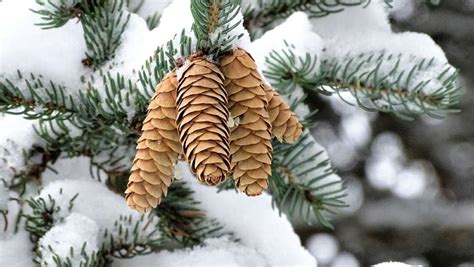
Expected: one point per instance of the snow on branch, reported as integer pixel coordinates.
(252, 221)
(263, 14)
(398, 84)
(150, 10)
(72, 243)
(303, 178)
(22, 158)
(403, 73)
(217, 24)
(103, 23)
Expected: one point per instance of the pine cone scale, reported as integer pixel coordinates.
(158, 149)
(202, 118)
(247, 105)
(286, 126)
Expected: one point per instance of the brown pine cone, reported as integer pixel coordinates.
(286, 126)
(202, 120)
(250, 146)
(158, 149)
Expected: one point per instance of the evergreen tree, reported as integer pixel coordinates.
(77, 103)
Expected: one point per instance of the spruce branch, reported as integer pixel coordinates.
(56, 15)
(286, 69)
(213, 22)
(103, 26)
(36, 161)
(38, 99)
(376, 80)
(304, 181)
(153, 21)
(96, 119)
(400, 90)
(132, 237)
(103, 22)
(180, 219)
(41, 218)
(93, 259)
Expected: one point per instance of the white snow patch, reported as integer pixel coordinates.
(213, 252)
(16, 135)
(356, 21)
(50, 4)
(294, 33)
(77, 230)
(55, 53)
(96, 202)
(147, 8)
(16, 251)
(136, 47)
(76, 168)
(342, 33)
(4, 197)
(12, 209)
(253, 221)
(392, 264)
(103, 211)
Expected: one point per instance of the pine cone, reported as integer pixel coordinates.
(286, 126)
(250, 146)
(202, 120)
(158, 149)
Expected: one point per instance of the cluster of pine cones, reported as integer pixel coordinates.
(221, 117)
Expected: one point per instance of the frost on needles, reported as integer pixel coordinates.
(76, 77)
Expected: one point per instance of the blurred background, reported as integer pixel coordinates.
(410, 183)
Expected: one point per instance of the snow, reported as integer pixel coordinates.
(392, 264)
(264, 237)
(419, 262)
(19, 136)
(94, 200)
(76, 168)
(50, 4)
(11, 211)
(16, 251)
(342, 36)
(77, 235)
(312, 148)
(147, 8)
(301, 41)
(172, 24)
(213, 252)
(353, 21)
(24, 45)
(253, 221)
(4, 197)
(107, 209)
(136, 47)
